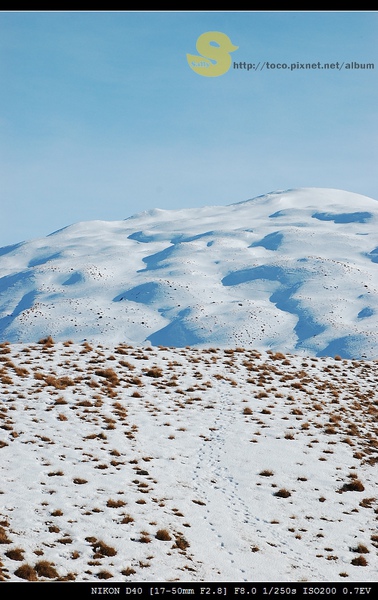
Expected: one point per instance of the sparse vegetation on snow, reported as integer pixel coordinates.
(130, 463)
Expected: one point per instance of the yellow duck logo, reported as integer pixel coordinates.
(212, 46)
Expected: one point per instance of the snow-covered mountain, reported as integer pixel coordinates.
(292, 271)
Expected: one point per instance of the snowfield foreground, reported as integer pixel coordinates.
(125, 463)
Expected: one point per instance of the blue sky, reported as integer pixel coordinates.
(101, 116)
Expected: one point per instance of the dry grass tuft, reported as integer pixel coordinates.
(282, 493)
(109, 374)
(361, 549)
(47, 341)
(115, 503)
(4, 539)
(163, 535)
(26, 572)
(154, 372)
(128, 571)
(181, 543)
(102, 549)
(65, 541)
(359, 561)
(353, 486)
(127, 519)
(144, 539)
(46, 569)
(104, 575)
(15, 554)
(55, 474)
(367, 502)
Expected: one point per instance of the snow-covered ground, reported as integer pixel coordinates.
(292, 271)
(125, 463)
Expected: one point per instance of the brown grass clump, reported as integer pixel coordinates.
(361, 549)
(163, 535)
(181, 543)
(127, 519)
(115, 503)
(266, 473)
(55, 474)
(20, 371)
(60, 401)
(353, 486)
(330, 430)
(154, 372)
(128, 571)
(126, 364)
(104, 575)
(68, 577)
(47, 341)
(282, 493)
(367, 502)
(65, 540)
(59, 383)
(359, 561)
(53, 529)
(102, 549)
(26, 572)
(144, 539)
(4, 539)
(15, 554)
(247, 411)
(46, 569)
(109, 374)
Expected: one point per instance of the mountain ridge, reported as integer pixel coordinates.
(290, 270)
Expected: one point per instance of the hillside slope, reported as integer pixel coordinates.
(293, 271)
(126, 463)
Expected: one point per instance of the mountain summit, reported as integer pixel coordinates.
(292, 271)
